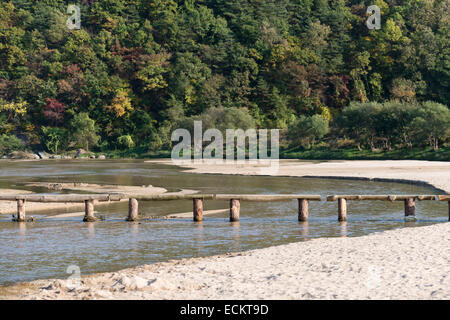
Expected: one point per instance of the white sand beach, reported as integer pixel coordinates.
(407, 263)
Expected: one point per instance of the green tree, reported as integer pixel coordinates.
(357, 121)
(432, 124)
(84, 131)
(125, 142)
(55, 139)
(307, 130)
(10, 143)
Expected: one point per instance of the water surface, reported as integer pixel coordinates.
(46, 248)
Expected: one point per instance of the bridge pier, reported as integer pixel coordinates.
(89, 211)
(198, 209)
(410, 207)
(133, 209)
(303, 209)
(235, 209)
(21, 216)
(342, 209)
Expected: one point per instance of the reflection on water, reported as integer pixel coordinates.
(45, 248)
(236, 235)
(304, 229)
(343, 231)
(91, 229)
(22, 230)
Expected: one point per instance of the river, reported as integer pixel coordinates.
(47, 248)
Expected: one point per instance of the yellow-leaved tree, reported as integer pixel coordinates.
(121, 103)
(13, 109)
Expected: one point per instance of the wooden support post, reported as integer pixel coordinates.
(235, 209)
(303, 213)
(133, 209)
(342, 209)
(89, 211)
(410, 207)
(198, 209)
(21, 217)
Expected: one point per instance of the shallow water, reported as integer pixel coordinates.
(46, 248)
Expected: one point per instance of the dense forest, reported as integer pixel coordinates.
(138, 69)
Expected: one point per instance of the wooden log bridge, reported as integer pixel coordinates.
(198, 199)
(235, 202)
(408, 200)
(88, 200)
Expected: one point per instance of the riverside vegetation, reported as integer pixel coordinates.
(137, 70)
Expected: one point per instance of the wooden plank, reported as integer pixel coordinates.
(381, 197)
(267, 197)
(444, 197)
(62, 198)
(164, 197)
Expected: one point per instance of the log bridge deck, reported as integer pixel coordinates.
(234, 200)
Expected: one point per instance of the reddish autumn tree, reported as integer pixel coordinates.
(70, 88)
(54, 111)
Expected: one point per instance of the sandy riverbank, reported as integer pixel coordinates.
(409, 263)
(431, 173)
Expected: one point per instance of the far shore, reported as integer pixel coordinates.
(435, 174)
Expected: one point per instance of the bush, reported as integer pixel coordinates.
(431, 125)
(125, 142)
(84, 131)
(357, 121)
(395, 123)
(10, 143)
(307, 130)
(55, 139)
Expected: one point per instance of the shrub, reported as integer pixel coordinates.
(10, 143)
(307, 130)
(55, 139)
(84, 130)
(125, 142)
(432, 124)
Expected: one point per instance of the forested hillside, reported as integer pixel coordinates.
(139, 68)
